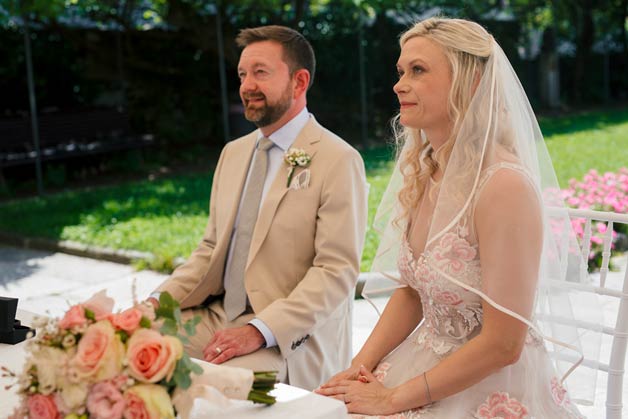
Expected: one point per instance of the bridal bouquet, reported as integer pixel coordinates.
(96, 364)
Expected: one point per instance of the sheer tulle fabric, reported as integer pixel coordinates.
(500, 132)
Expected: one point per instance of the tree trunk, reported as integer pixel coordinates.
(622, 25)
(299, 11)
(585, 31)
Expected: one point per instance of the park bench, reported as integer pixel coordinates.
(67, 135)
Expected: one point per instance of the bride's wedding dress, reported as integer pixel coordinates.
(530, 388)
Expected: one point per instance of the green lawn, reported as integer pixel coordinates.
(166, 217)
(593, 140)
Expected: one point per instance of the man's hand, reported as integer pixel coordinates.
(229, 343)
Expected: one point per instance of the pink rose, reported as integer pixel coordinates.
(147, 310)
(100, 304)
(152, 357)
(99, 353)
(42, 407)
(135, 407)
(74, 317)
(128, 320)
(148, 401)
(105, 401)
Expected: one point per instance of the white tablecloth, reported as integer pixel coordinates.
(292, 402)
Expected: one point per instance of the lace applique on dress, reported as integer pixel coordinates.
(452, 314)
(500, 405)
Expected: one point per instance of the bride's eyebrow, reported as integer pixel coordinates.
(418, 61)
(415, 61)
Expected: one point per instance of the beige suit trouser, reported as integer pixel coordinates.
(214, 318)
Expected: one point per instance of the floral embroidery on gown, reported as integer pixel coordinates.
(452, 316)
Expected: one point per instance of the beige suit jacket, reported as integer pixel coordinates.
(305, 251)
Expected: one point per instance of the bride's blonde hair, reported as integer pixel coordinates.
(467, 46)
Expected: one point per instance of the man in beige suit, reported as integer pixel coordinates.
(274, 275)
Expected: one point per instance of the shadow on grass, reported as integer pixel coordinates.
(582, 121)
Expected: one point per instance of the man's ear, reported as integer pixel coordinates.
(301, 80)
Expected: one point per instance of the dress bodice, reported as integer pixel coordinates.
(452, 314)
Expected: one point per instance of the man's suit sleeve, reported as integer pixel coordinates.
(187, 276)
(338, 242)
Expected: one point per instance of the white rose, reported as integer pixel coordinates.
(49, 362)
(74, 396)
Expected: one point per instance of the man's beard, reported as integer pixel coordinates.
(268, 114)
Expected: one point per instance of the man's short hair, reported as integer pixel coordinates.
(297, 51)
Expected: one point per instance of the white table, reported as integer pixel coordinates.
(292, 402)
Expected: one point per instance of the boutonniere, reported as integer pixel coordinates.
(295, 157)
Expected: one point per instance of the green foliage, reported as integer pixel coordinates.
(55, 175)
(169, 313)
(90, 315)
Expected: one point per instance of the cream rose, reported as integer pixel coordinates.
(151, 356)
(49, 363)
(72, 397)
(148, 401)
(99, 353)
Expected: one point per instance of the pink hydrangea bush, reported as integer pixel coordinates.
(600, 192)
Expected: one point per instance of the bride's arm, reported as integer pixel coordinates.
(509, 228)
(400, 317)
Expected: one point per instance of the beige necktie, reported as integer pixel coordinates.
(235, 293)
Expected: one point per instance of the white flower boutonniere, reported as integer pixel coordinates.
(295, 157)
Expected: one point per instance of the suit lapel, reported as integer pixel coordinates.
(307, 140)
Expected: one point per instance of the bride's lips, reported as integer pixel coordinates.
(406, 105)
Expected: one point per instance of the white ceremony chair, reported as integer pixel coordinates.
(618, 291)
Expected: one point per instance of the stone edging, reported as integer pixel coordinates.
(74, 248)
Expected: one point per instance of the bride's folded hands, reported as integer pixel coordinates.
(362, 393)
(350, 373)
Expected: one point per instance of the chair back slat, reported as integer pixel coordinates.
(586, 240)
(606, 252)
(619, 331)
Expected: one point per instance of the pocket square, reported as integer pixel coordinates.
(301, 180)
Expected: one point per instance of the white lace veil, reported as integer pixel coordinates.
(499, 125)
